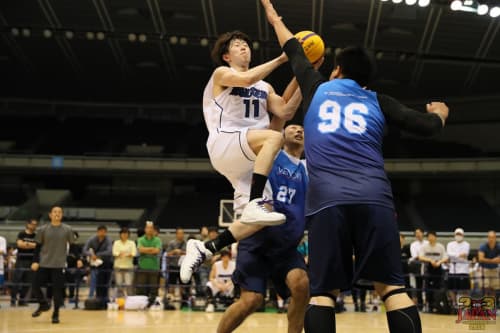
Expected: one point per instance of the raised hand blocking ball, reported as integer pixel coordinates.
(313, 45)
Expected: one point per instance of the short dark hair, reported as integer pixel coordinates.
(431, 232)
(102, 227)
(54, 206)
(356, 64)
(213, 229)
(221, 46)
(419, 229)
(225, 253)
(29, 221)
(125, 230)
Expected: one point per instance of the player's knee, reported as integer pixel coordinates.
(252, 301)
(299, 285)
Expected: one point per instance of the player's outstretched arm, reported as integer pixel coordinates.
(226, 77)
(420, 123)
(307, 75)
(276, 21)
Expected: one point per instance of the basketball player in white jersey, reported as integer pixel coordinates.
(236, 102)
(221, 282)
(242, 139)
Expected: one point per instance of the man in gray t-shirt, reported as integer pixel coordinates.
(49, 261)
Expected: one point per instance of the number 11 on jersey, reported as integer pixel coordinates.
(255, 104)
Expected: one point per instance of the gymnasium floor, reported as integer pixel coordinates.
(75, 321)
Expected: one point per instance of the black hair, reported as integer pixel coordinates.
(221, 46)
(421, 229)
(225, 253)
(212, 229)
(102, 227)
(431, 232)
(124, 230)
(54, 206)
(357, 64)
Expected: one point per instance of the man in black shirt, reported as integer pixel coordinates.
(405, 257)
(22, 275)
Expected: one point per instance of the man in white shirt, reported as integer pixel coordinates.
(434, 256)
(415, 266)
(458, 253)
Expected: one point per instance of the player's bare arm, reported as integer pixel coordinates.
(277, 123)
(226, 77)
(282, 108)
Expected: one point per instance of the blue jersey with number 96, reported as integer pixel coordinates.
(344, 129)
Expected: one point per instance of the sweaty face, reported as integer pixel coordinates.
(294, 134)
(238, 53)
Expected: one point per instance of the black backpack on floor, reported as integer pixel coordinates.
(94, 304)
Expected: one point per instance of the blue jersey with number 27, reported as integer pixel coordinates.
(288, 184)
(343, 129)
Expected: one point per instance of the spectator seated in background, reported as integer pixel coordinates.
(220, 287)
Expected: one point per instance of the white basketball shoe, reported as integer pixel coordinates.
(256, 212)
(196, 254)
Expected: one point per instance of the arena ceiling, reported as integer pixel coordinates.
(157, 51)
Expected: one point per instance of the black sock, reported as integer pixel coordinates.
(224, 239)
(319, 319)
(258, 184)
(404, 320)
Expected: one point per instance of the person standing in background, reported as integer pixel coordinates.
(458, 252)
(175, 249)
(124, 251)
(415, 266)
(434, 256)
(99, 249)
(489, 259)
(49, 261)
(3, 253)
(23, 275)
(149, 247)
